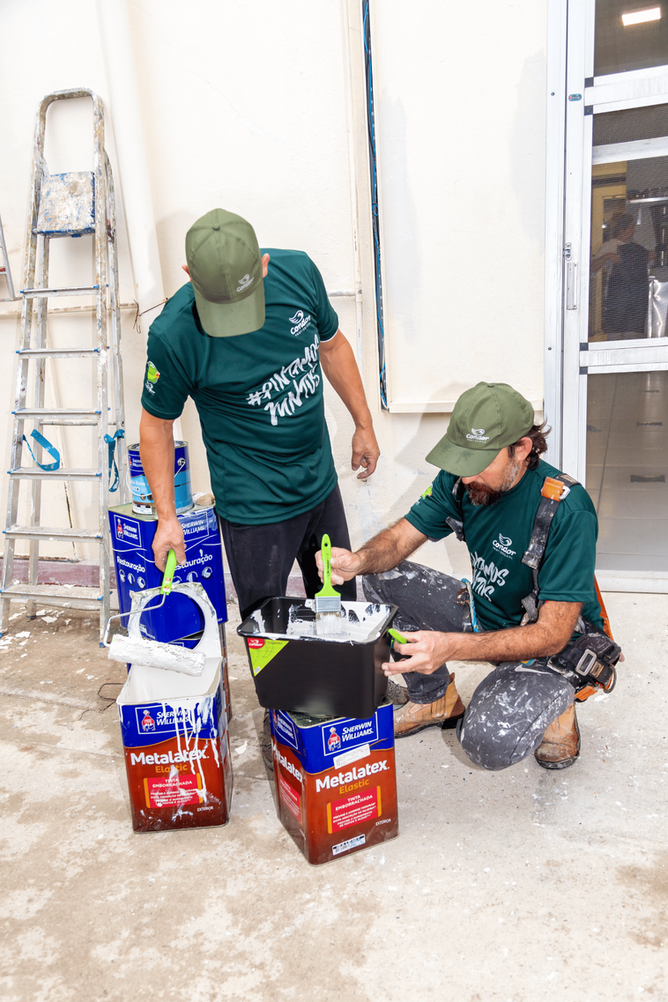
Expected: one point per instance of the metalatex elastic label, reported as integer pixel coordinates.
(262, 651)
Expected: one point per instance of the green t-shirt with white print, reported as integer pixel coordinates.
(498, 535)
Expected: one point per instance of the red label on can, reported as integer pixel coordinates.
(173, 792)
(255, 642)
(353, 810)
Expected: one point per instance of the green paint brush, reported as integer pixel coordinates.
(327, 600)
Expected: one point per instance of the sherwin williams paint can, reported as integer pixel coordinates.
(142, 499)
(335, 781)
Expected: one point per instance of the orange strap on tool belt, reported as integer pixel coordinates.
(554, 490)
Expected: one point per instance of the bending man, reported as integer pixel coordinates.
(248, 338)
(489, 493)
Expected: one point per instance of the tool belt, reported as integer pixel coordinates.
(588, 662)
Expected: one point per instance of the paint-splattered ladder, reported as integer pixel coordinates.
(62, 205)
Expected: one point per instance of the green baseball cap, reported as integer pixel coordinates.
(485, 419)
(225, 268)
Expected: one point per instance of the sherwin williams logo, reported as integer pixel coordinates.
(244, 283)
(503, 544)
(147, 723)
(300, 322)
(478, 435)
(333, 741)
(152, 373)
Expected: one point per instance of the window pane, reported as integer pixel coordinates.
(618, 48)
(631, 124)
(627, 468)
(628, 289)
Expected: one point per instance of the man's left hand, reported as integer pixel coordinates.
(426, 651)
(365, 452)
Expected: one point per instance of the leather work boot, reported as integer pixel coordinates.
(561, 742)
(414, 717)
(397, 694)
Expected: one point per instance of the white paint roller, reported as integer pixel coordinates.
(151, 653)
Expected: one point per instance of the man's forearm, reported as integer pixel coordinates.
(157, 456)
(515, 644)
(550, 634)
(340, 367)
(389, 548)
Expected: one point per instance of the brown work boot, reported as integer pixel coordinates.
(561, 742)
(414, 717)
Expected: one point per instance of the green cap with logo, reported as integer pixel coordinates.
(485, 419)
(225, 268)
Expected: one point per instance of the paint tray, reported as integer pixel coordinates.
(321, 676)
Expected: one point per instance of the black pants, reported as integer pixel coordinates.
(260, 557)
(511, 708)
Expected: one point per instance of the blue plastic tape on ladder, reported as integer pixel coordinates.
(111, 442)
(51, 449)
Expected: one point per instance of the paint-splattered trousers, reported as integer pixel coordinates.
(513, 705)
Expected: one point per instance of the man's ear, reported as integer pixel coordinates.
(523, 448)
(265, 265)
(186, 269)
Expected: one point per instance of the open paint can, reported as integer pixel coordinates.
(142, 499)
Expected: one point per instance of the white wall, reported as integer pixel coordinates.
(244, 106)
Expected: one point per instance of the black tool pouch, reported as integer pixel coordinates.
(589, 660)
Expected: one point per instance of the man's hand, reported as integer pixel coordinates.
(425, 651)
(344, 565)
(168, 536)
(381, 553)
(365, 452)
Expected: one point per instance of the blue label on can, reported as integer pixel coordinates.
(142, 498)
(317, 745)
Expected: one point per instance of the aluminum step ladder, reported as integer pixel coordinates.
(5, 270)
(66, 205)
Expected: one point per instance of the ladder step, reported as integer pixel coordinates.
(67, 204)
(74, 597)
(80, 290)
(47, 532)
(44, 412)
(34, 473)
(57, 352)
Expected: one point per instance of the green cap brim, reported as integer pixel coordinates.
(232, 319)
(459, 461)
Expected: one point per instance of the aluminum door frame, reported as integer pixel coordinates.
(586, 96)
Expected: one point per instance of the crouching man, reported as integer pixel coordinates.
(531, 607)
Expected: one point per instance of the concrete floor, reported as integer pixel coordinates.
(506, 887)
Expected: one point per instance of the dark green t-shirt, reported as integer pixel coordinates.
(498, 535)
(259, 396)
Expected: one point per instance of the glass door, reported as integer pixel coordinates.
(615, 389)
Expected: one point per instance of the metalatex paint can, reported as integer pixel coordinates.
(142, 499)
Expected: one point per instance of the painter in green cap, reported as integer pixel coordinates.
(530, 606)
(248, 338)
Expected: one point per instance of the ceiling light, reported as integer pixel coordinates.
(640, 16)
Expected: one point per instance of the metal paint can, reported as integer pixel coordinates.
(142, 499)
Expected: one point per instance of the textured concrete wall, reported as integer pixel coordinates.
(245, 106)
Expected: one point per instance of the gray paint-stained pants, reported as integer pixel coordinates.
(511, 708)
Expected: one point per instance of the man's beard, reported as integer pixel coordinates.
(481, 494)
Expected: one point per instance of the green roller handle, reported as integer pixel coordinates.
(168, 576)
(397, 636)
